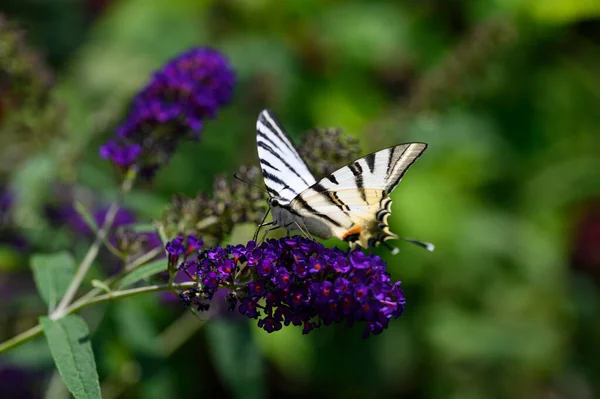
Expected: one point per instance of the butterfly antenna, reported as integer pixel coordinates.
(393, 250)
(235, 175)
(427, 245)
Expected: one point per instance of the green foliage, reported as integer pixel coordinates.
(143, 272)
(69, 341)
(237, 358)
(52, 274)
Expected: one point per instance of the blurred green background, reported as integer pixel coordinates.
(505, 92)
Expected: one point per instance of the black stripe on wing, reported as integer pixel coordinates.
(268, 119)
(401, 163)
(331, 197)
(370, 159)
(279, 160)
(302, 202)
(269, 177)
(264, 162)
(268, 148)
(357, 171)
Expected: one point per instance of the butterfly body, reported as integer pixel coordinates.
(352, 203)
(287, 216)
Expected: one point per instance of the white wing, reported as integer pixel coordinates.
(381, 170)
(354, 200)
(285, 173)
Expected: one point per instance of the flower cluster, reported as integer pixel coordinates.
(326, 150)
(24, 77)
(181, 95)
(30, 118)
(182, 246)
(294, 280)
(214, 216)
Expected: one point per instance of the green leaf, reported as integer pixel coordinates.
(143, 272)
(69, 341)
(143, 227)
(52, 274)
(237, 358)
(100, 285)
(135, 325)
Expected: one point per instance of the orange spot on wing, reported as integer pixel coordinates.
(356, 229)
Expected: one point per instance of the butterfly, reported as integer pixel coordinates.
(352, 203)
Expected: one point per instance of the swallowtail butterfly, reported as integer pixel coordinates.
(352, 203)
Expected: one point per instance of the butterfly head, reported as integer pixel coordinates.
(273, 202)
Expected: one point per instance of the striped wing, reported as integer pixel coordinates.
(285, 173)
(354, 201)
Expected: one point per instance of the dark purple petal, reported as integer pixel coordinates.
(175, 247)
(269, 324)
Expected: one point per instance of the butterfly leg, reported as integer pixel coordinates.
(262, 223)
(270, 229)
(304, 231)
(258, 228)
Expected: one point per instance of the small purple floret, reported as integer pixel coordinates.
(182, 246)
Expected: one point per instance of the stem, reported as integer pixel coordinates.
(21, 338)
(112, 248)
(89, 258)
(148, 256)
(129, 267)
(81, 304)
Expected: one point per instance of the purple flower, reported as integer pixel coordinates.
(359, 260)
(248, 307)
(122, 156)
(256, 289)
(194, 242)
(269, 324)
(298, 281)
(175, 247)
(226, 268)
(284, 277)
(182, 246)
(182, 94)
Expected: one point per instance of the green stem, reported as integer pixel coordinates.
(21, 338)
(80, 304)
(89, 258)
(129, 267)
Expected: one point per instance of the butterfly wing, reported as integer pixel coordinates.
(285, 173)
(353, 202)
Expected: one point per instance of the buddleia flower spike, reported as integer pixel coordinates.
(173, 106)
(294, 280)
